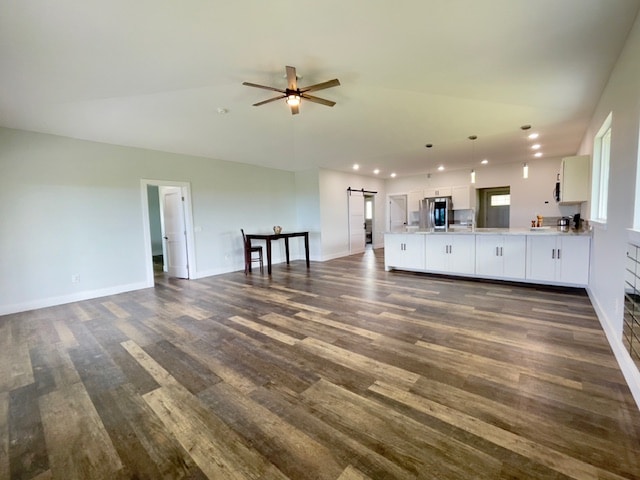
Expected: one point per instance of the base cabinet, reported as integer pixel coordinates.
(404, 251)
(450, 253)
(501, 256)
(558, 259)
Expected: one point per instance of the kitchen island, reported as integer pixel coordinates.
(543, 255)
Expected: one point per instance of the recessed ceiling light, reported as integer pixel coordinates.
(525, 127)
(376, 171)
(441, 168)
(537, 154)
(393, 175)
(535, 146)
(484, 162)
(356, 166)
(533, 136)
(222, 110)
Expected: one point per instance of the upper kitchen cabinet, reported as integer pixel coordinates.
(463, 197)
(574, 180)
(437, 192)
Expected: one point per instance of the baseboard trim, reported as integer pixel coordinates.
(74, 297)
(629, 370)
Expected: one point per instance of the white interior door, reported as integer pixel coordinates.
(175, 238)
(357, 234)
(397, 213)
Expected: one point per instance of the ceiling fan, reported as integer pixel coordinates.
(293, 94)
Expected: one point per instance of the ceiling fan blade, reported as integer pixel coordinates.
(313, 99)
(295, 109)
(249, 84)
(320, 86)
(292, 79)
(279, 97)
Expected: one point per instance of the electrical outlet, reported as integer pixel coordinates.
(75, 278)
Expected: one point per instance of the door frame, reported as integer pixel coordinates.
(390, 199)
(355, 249)
(146, 229)
(484, 195)
(370, 198)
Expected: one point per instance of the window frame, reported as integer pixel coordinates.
(600, 171)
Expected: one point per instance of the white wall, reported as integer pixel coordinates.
(308, 209)
(529, 197)
(72, 207)
(335, 212)
(606, 285)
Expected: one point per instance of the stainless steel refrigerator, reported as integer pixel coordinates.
(436, 213)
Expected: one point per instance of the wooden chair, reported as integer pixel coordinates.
(249, 257)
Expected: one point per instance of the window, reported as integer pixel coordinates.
(368, 209)
(600, 173)
(500, 200)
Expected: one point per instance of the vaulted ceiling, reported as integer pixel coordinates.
(157, 75)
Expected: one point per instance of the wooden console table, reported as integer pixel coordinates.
(269, 237)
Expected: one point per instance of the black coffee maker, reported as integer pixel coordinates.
(576, 221)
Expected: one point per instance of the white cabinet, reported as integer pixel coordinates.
(501, 256)
(574, 176)
(437, 192)
(558, 259)
(463, 197)
(404, 251)
(450, 253)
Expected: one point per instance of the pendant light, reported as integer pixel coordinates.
(531, 136)
(473, 172)
(428, 145)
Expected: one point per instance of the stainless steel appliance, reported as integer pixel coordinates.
(563, 223)
(436, 213)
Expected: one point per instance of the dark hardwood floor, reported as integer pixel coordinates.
(343, 371)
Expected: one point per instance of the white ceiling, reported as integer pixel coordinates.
(153, 74)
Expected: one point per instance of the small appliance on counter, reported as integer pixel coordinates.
(564, 223)
(577, 222)
(436, 214)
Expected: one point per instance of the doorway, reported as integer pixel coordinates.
(167, 227)
(494, 207)
(369, 215)
(397, 213)
(357, 236)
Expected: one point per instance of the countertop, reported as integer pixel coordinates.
(502, 231)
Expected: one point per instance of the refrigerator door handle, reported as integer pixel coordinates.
(432, 214)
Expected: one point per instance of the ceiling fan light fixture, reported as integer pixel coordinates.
(293, 100)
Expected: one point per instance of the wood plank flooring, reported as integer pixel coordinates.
(340, 372)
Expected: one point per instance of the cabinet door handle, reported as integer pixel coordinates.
(558, 254)
(497, 255)
(553, 253)
(501, 251)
